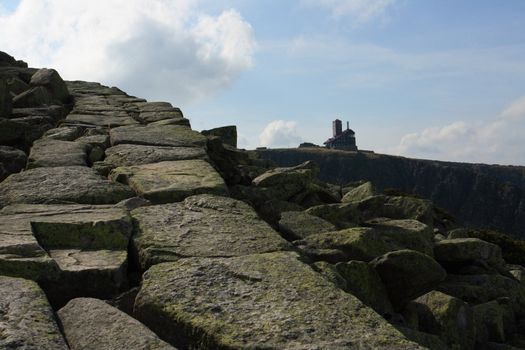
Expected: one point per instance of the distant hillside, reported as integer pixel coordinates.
(479, 195)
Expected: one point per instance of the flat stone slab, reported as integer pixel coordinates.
(298, 224)
(26, 319)
(201, 226)
(150, 117)
(108, 121)
(73, 184)
(93, 324)
(158, 135)
(55, 153)
(264, 301)
(57, 226)
(126, 155)
(171, 181)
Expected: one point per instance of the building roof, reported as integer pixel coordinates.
(344, 133)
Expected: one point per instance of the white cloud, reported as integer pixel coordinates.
(498, 140)
(361, 10)
(280, 133)
(153, 48)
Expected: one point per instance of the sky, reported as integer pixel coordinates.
(434, 79)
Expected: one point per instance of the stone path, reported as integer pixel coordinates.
(216, 275)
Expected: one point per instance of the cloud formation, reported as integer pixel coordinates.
(154, 48)
(360, 10)
(498, 140)
(280, 133)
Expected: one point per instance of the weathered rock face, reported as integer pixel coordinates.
(12, 160)
(227, 134)
(5, 99)
(56, 153)
(171, 181)
(74, 184)
(479, 195)
(298, 224)
(93, 324)
(27, 318)
(157, 135)
(407, 274)
(201, 226)
(218, 303)
(52, 82)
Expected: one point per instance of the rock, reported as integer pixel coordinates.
(151, 117)
(5, 99)
(12, 160)
(263, 300)
(489, 321)
(93, 324)
(461, 250)
(227, 134)
(55, 112)
(56, 153)
(85, 248)
(160, 135)
(7, 60)
(171, 181)
(428, 341)
(12, 132)
(155, 107)
(406, 233)
(329, 272)
(98, 273)
(126, 155)
(51, 80)
(407, 274)
(298, 225)
(299, 175)
(482, 288)
(108, 121)
(450, 318)
(363, 243)
(133, 203)
(64, 133)
(364, 282)
(34, 97)
(360, 192)
(359, 243)
(16, 86)
(27, 319)
(201, 226)
(72, 184)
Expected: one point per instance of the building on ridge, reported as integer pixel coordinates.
(343, 140)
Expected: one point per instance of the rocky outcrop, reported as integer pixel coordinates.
(489, 196)
(119, 200)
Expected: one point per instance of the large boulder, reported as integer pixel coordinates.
(93, 324)
(299, 175)
(407, 274)
(74, 184)
(360, 192)
(464, 250)
(364, 282)
(201, 226)
(127, 155)
(257, 301)
(56, 153)
(27, 319)
(12, 160)
(171, 181)
(5, 99)
(157, 135)
(298, 225)
(34, 97)
(359, 243)
(102, 120)
(449, 317)
(51, 80)
(227, 134)
(7, 60)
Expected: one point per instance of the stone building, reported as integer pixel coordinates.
(343, 140)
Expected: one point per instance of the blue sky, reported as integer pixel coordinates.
(436, 79)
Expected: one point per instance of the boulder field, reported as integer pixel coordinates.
(123, 228)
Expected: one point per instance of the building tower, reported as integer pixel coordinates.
(337, 127)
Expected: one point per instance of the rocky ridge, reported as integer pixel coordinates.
(480, 195)
(122, 228)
